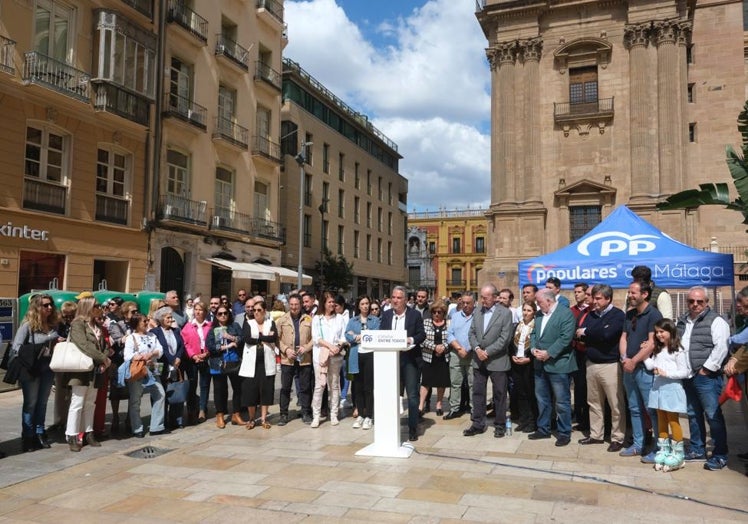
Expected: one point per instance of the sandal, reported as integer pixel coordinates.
(251, 424)
(265, 425)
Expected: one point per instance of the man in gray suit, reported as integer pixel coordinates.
(489, 336)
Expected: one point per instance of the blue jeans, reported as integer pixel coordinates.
(638, 385)
(410, 375)
(35, 395)
(559, 384)
(702, 394)
(344, 382)
(158, 397)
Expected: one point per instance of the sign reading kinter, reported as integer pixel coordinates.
(29, 233)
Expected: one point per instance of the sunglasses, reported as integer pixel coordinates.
(257, 309)
(222, 313)
(375, 309)
(696, 301)
(48, 304)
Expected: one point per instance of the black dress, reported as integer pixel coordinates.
(258, 390)
(436, 373)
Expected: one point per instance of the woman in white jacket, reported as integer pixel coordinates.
(328, 335)
(258, 364)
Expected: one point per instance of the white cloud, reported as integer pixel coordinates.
(426, 86)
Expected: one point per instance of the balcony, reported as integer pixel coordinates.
(58, 76)
(185, 17)
(273, 7)
(231, 132)
(268, 230)
(111, 209)
(269, 75)
(235, 53)
(7, 52)
(454, 283)
(44, 196)
(226, 219)
(144, 7)
(573, 111)
(186, 110)
(265, 147)
(181, 209)
(116, 100)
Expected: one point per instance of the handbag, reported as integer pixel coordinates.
(6, 358)
(176, 392)
(138, 369)
(67, 358)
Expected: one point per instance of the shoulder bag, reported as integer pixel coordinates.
(67, 358)
(138, 368)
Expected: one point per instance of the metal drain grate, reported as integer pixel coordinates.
(147, 452)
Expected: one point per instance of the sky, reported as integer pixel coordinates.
(418, 69)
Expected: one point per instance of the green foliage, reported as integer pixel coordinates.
(336, 271)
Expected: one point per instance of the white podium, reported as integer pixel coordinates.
(386, 346)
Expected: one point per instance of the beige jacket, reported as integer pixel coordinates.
(287, 334)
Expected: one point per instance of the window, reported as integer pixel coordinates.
(356, 210)
(381, 190)
(480, 245)
(432, 247)
(46, 155)
(262, 204)
(325, 230)
(455, 245)
(307, 189)
(309, 139)
(227, 110)
(692, 132)
(380, 223)
(112, 185)
(368, 214)
(389, 193)
(356, 242)
(262, 120)
(180, 87)
(177, 176)
(389, 253)
(40, 269)
(389, 223)
(368, 247)
(325, 158)
(54, 33)
(289, 138)
(307, 231)
(690, 54)
(341, 169)
(323, 208)
(356, 176)
(690, 93)
(341, 203)
(583, 85)
(379, 250)
(456, 276)
(341, 240)
(582, 219)
(368, 182)
(224, 193)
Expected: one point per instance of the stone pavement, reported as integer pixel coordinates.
(298, 474)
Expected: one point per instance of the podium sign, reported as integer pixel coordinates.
(386, 345)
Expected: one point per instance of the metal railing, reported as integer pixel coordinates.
(114, 99)
(273, 7)
(188, 19)
(456, 283)
(571, 110)
(111, 209)
(265, 147)
(268, 230)
(231, 131)
(63, 78)
(7, 52)
(181, 209)
(268, 74)
(186, 109)
(142, 6)
(233, 51)
(445, 213)
(226, 219)
(44, 196)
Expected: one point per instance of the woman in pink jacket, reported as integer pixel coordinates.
(194, 334)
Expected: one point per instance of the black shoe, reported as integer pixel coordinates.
(451, 415)
(743, 456)
(530, 428)
(537, 435)
(138, 434)
(283, 420)
(615, 447)
(29, 444)
(499, 432)
(562, 441)
(472, 431)
(412, 436)
(43, 441)
(589, 440)
(162, 432)
(306, 419)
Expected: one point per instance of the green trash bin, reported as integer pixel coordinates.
(58, 296)
(143, 299)
(104, 295)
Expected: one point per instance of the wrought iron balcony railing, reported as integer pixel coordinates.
(59, 76)
(268, 230)
(267, 74)
(44, 196)
(187, 18)
(564, 111)
(114, 99)
(273, 7)
(226, 219)
(7, 52)
(263, 146)
(111, 209)
(232, 132)
(143, 6)
(233, 51)
(185, 109)
(181, 209)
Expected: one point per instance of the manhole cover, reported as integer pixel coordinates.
(147, 452)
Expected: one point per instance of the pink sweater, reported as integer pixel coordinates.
(191, 337)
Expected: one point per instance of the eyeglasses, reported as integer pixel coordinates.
(698, 301)
(375, 309)
(438, 311)
(257, 309)
(222, 313)
(48, 304)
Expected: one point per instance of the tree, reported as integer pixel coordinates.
(336, 272)
(718, 194)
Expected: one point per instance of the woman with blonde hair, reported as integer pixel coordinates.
(87, 335)
(155, 305)
(39, 328)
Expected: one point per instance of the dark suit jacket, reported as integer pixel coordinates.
(494, 340)
(556, 340)
(414, 327)
(168, 358)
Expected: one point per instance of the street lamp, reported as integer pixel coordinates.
(301, 160)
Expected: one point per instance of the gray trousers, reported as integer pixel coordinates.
(459, 368)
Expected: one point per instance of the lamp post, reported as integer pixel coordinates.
(301, 160)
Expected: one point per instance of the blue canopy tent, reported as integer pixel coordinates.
(608, 253)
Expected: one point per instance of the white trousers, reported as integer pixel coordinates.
(81, 412)
(332, 380)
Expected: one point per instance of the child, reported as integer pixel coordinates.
(670, 364)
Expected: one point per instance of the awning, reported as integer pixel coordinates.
(244, 269)
(289, 276)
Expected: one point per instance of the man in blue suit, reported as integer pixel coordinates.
(554, 363)
(399, 317)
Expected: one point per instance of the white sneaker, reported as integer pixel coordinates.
(359, 421)
(315, 423)
(367, 423)
(334, 421)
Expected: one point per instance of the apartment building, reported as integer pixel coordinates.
(345, 172)
(598, 104)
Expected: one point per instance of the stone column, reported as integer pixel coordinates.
(503, 186)
(668, 104)
(528, 190)
(641, 106)
(683, 38)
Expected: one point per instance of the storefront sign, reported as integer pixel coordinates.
(29, 233)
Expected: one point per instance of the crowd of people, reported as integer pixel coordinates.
(632, 371)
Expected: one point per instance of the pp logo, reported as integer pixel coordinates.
(367, 338)
(617, 242)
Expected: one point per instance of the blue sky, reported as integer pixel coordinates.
(418, 69)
